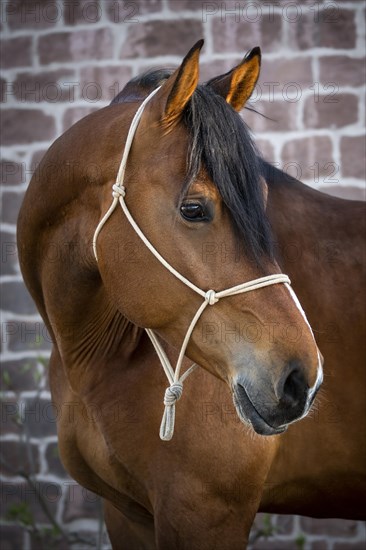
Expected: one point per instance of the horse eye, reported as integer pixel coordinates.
(193, 212)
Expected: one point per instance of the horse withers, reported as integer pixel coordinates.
(192, 181)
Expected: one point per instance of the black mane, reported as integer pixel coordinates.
(221, 144)
(139, 87)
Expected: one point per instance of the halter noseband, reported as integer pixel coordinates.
(174, 392)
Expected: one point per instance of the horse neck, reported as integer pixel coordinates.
(299, 212)
(316, 235)
(59, 215)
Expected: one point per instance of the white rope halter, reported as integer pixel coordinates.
(174, 392)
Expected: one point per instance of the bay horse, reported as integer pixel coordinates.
(194, 187)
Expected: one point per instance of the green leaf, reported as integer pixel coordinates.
(300, 541)
(6, 378)
(21, 513)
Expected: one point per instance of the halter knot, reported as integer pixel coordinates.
(173, 394)
(118, 191)
(211, 298)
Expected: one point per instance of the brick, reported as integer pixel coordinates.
(272, 544)
(26, 495)
(9, 253)
(12, 537)
(50, 86)
(48, 539)
(16, 298)
(20, 375)
(284, 524)
(32, 14)
(11, 495)
(16, 52)
(80, 503)
(12, 173)
(266, 149)
(10, 206)
(74, 114)
(30, 168)
(80, 45)
(108, 80)
(281, 113)
(262, 520)
(278, 525)
(83, 12)
(331, 111)
(124, 11)
(3, 90)
(228, 35)
(345, 192)
(26, 335)
(245, 14)
(54, 463)
(357, 545)
(342, 70)
(215, 67)
(20, 126)
(319, 545)
(353, 150)
(335, 30)
(15, 458)
(271, 32)
(341, 32)
(285, 71)
(40, 417)
(155, 38)
(186, 5)
(330, 527)
(305, 152)
(90, 539)
(9, 416)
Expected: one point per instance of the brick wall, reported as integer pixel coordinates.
(60, 61)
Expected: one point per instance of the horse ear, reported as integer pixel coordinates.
(178, 89)
(237, 85)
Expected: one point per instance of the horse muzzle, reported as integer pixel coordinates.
(285, 402)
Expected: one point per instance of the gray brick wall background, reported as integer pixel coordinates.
(60, 61)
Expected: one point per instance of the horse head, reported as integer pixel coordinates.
(191, 185)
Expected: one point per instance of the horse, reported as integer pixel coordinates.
(121, 255)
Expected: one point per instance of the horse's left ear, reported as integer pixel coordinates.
(237, 85)
(178, 89)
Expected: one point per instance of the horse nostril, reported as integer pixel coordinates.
(294, 388)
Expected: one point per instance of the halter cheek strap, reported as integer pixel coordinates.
(174, 392)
